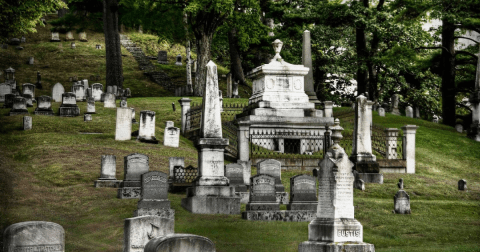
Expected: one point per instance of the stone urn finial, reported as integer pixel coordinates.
(336, 132)
(277, 47)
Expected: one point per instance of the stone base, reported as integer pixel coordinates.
(240, 188)
(129, 193)
(244, 197)
(376, 178)
(212, 205)
(162, 212)
(152, 141)
(18, 112)
(155, 204)
(335, 230)
(282, 197)
(366, 166)
(107, 183)
(312, 246)
(211, 181)
(262, 206)
(69, 111)
(280, 215)
(223, 191)
(310, 206)
(131, 183)
(44, 112)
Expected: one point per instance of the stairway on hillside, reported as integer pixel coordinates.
(144, 64)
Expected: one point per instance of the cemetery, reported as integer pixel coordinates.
(147, 159)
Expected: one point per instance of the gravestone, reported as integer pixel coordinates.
(234, 173)
(180, 242)
(31, 60)
(435, 119)
(44, 105)
(178, 61)
(172, 162)
(139, 230)
(23, 39)
(171, 135)
(462, 185)
(303, 193)
(90, 105)
(154, 195)
(401, 200)
(128, 93)
(108, 172)
(109, 101)
(79, 91)
(83, 36)
(235, 89)
(409, 112)
(69, 36)
(114, 90)
(97, 91)
(34, 236)
(459, 128)
(69, 106)
(55, 37)
(194, 68)
(19, 106)
(162, 57)
(57, 92)
(123, 127)
(72, 45)
(123, 102)
(146, 131)
(27, 123)
(28, 99)
(134, 165)
(85, 83)
(273, 168)
(4, 90)
(262, 193)
(9, 98)
(381, 112)
(88, 93)
(133, 115)
(87, 117)
(28, 88)
(395, 110)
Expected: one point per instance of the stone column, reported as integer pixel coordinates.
(307, 62)
(242, 142)
(409, 132)
(391, 142)
(229, 85)
(328, 109)
(185, 105)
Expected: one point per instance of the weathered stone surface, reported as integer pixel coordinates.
(171, 135)
(154, 190)
(234, 173)
(313, 246)
(69, 106)
(28, 99)
(280, 215)
(34, 236)
(90, 105)
(69, 36)
(129, 192)
(162, 57)
(19, 106)
(108, 172)
(87, 117)
(146, 131)
(203, 204)
(57, 92)
(401, 202)
(109, 101)
(211, 122)
(97, 91)
(28, 88)
(139, 230)
(83, 36)
(395, 110)
(273, 168)
(161, 212)
(409, 112)
(55, 37)
(135, 165)
(381, 112)
(359, 184)
(409, 132)
(44, 105)
(9, 98)
(262, 193)
(303, 193)
(462, 185)
(4, 90)
(27, 123)
(180, 242)
(459, 128)
(123, 127)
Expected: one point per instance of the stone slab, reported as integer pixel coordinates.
(129, 193)
(107, 183)
(262, 206)
(212, 205)
(139, 230)
(244, 196)
(69, 111)
(311, 206)
(335, 230)
(312, 246)
(280, 215)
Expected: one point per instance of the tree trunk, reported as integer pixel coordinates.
(448, 73)
(203, 56)
(236, 62)
(372, 82)
(187, 49)
(362, 74)
(114, 69)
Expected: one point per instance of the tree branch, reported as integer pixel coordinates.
(467, 53)
(434, 47)
(467, 38)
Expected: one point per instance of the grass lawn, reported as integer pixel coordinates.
(47, 173)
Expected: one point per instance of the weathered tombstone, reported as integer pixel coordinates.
(55, 37)
(108, 172)
(69, 36)
(57, 92)
(123, 102)
(83, 36)
(162, 57)
(34, 236)
(87, 117)
(123, 128)
(178, 61)
(262, 193)
(79, 91)
(180, 242)
(114, 89)
(459, 128)
(30, 60)
(234, 173)
(19, 106)
(417, 112)
(171, 136)
(97, 91)
(462, 185)
(27, 123)
(303, 193)
(139, 230)
(133, 116)
(128, 93)
(69, 106)
(409, 112)
(146, 131)
(194, 68)
(109, 101)
(44, 105)
(381, 112)
(85, 83)
(273, 168)
(395, 110)
(9, 98)
(401, 200)
(154, 194)
(28, 88)
(28, 99)
(134, 165)
(4, 90)
(315, 172)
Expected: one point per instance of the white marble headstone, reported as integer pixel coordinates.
(57, 92)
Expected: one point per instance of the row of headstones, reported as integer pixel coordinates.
(15, 42)
(69, 36)
(162, 59)
(146, 233)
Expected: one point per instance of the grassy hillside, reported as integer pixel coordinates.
(47, 174)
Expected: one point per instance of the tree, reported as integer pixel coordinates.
(114, 69)
(21, 16)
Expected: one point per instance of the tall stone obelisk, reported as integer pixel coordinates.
(211, 193)
(307, 62)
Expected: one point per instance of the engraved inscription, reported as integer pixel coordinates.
(348, 233)
(39, 248)
(155, 178)
(283, 83)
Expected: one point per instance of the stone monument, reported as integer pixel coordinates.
(139, 230)
(109, 101)
(462, 185)
(303, 193)
(134, 165)
(4, 90)
(171, 135)
(55, 37)
(19, 106)
(381, 112)
(273, 168)
(180, 242)
(178, 61)
(162, 57)
(27, 123)
(69, 106)
(34, 236)
(409, 112)
(307, 62)
(90, 105)
(146, 131)
(123, 127)
(57, 92)
(154, 196)
(44, 105)
(97, 91)
(401, 200)
(108, 172)
(83, 36)
(395, 110)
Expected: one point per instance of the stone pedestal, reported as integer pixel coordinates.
(19, 106)
(69, 107)
(108, 173)
(44, 106)
(212, 200)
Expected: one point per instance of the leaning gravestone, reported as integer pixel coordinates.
(381, 112)
(180, 242)
(91, 105)
(462, 185)
(303, 193)
(262, 193)
(108, 172)
(34, 236)
(123, 127)
(109, 101)
(19, 106)
(146, 131)
(178, 62)
(4, 90)
(134, 165)
(171, 135)
(273, 168)
(69, 106)
(401, 200)
(55, 37)
(97, 91)
(162, 57)
(139, 230)
(154, 196)
(27, 123)
(44, 106)
(234, 173)
(57, 92)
